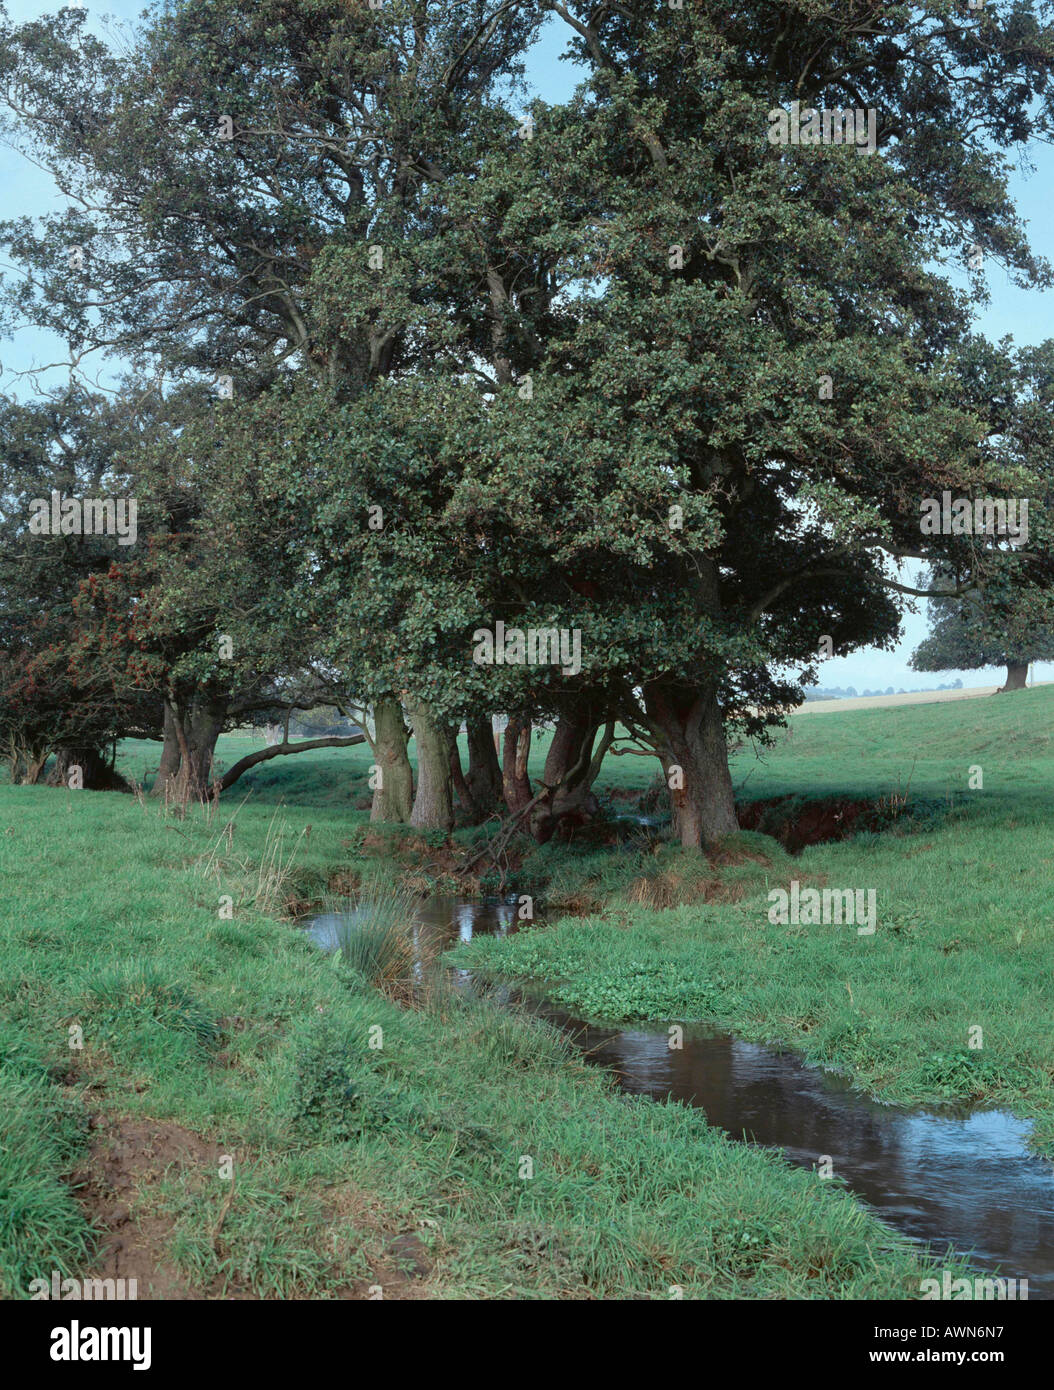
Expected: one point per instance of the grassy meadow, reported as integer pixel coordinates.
(964, 883)
(323, 1138)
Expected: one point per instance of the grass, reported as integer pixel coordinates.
(376, 939)
(965, 936)
(236, 1029)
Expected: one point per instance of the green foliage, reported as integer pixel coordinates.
(325, 1094)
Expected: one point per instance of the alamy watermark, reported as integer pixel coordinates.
(97, 1290)
(537, 646)
(87, 516)
(980, 516)
(77, 1343)
(814, 907)
(980, 1289)
(824, 127)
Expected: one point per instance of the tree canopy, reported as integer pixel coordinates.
(620, 368)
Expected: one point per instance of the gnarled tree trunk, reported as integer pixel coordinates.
(198, 725)
(460, 782)
(394, 795)
(695, 760)
(27, 765)
(484, 770)
(433, 807)
(571, 768)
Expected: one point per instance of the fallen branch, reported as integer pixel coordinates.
(494, 847)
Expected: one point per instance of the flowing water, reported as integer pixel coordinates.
(965, 1180)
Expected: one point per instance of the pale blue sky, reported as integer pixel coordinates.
(1026, 315)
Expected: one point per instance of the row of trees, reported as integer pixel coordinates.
(409, 359)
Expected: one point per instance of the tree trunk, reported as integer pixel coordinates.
(695, 761)
(434, 803)
(31, 763)
(484, 770)
(460, 783)
(393, 798)
(170, 757)
(1016, 676)
(515, 782)
(571, 769)
(198, 727)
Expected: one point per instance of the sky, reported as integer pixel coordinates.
(1026, 315)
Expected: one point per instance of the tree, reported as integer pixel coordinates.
(55, 452)
(252, 208)
(715, 288)
(1005, 616)
(993, 629)
(200, 615)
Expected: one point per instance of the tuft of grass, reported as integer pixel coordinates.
(376, 937)
(139, 995)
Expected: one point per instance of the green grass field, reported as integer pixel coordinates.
(351, 1162)
(965, 934)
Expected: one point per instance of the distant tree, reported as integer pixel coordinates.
(1004, 612)
(990, 628)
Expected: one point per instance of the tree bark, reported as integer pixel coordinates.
(460, 782)
(393, 798)
(515, 781)
(571, 768)
(694, 755)
(1016, 676)
(32, 763)
(433, 807)
(170, 757)
(198, 726)
(484, 771)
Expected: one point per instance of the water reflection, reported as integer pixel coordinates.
(962, 1180)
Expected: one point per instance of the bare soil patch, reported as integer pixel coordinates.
(795, 825)
(126, 1157)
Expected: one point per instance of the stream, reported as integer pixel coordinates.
(946, 1179)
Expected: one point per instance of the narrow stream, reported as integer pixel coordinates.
(965, 1180)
